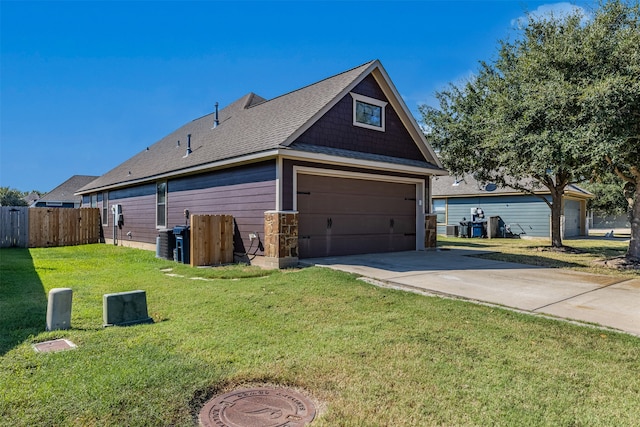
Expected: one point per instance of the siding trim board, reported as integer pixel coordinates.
(355, 163)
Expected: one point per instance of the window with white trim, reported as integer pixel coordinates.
(105, 208)
(368, 112)
(161, 204)
(440, 209)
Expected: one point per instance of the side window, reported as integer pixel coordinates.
(439, 208)
(161, 204)
(105, 208)
(368, 112)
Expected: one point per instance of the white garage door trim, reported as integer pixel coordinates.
(419, 183)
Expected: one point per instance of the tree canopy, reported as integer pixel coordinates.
(559, 104)
(11, 197)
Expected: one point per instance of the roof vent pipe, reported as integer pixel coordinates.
(188, 145)
(216, 122)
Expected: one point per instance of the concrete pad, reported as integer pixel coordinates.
(606, 300)
(518, 289)
(616, 306)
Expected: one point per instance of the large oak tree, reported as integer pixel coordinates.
(559, 104)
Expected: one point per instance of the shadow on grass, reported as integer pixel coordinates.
(23, 301)
(604, 251)
(466, 243)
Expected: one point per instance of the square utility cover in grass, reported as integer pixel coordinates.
(365, 355)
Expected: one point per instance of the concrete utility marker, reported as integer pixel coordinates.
(125, 308)
(59, 309)
(604, 300)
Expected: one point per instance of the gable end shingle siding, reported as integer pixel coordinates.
(336, 130)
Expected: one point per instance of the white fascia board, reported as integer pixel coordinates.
(250, 158)
(368, 164)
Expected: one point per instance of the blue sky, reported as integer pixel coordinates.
(87, 84)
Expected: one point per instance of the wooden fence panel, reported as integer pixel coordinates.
(63, 227)
(211, 240)
(14, 226)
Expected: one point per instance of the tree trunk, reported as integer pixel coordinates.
(556, 213)
(634, 244)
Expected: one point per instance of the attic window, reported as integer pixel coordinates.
(368, 112)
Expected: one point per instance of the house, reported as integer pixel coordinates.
(334, 168)
(63, 196)
(521, 214)
(31, 198)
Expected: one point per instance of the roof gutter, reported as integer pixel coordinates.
(264, 155)
(188, 171)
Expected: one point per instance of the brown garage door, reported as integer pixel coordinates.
(343, 216)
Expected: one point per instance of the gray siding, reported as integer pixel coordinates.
(139, 214)
(530, 212)
(245, 192)
(246, 202)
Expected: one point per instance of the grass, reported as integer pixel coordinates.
(367, 356)
(582, 254)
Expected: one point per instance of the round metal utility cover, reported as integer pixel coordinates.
(258, 407)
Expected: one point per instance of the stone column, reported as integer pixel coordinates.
(281, 239)
(430, 231)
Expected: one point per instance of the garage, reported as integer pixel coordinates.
(571, 218)
(346, 216)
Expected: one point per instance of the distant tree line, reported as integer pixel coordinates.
(12, 197)
(560, 105)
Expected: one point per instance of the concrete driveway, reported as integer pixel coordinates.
(612, 302)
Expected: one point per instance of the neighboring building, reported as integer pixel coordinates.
(343, 159)
(31, 198)
(63, 196)
(523, 214)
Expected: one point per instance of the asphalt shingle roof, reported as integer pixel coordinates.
(247, 126)
(65, 191)
(443, 186)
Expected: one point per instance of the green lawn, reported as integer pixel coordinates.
(367, 356)
(581, 254)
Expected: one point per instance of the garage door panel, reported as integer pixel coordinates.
(352, 186)
(327, 203)
(356, 224)
(350, 245)
(341, 216)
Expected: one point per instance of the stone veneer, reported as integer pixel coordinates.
(281, 238)
(430, 231)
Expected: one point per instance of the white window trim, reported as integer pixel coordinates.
(367, 100)
(166, 195)
(105, 208)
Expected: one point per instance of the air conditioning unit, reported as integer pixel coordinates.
(166, 244)
(452, 231)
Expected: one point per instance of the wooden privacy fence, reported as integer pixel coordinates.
(14, 226)
(211, 240)
(45, 227)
